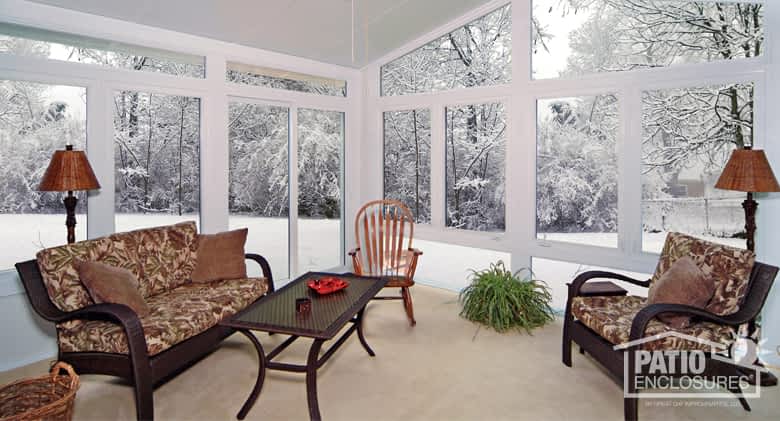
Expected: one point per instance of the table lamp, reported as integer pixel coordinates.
(69, 171)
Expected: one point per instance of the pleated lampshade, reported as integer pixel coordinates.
(748, 170)
(69, 170)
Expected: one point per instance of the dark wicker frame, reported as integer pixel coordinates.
(761, 280)
(138, 368)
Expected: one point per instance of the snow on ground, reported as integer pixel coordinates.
(442, 265)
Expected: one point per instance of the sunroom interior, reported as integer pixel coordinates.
(555, 136)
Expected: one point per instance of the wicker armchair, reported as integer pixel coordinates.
(598, 324)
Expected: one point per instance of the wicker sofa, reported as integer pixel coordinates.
(110, 338)
(598, 323)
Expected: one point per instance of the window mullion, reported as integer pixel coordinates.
(629, 172)
(100, 149)
(438, 166)
(293, 186)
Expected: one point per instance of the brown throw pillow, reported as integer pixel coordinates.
(682, 283)
(110, 284)
(220, 256)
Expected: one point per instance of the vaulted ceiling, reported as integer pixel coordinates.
(317, 29)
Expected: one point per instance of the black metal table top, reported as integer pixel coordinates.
(329, 313)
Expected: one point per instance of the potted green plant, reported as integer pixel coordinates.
(503, 300)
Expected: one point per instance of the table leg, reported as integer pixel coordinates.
(360, 332)
(311, 379)
(250, 401)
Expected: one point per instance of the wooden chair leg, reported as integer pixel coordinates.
(407, 296)
(566, 340)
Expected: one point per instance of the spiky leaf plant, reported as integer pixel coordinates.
(504, 300)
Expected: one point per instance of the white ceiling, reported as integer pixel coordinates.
(315, 29)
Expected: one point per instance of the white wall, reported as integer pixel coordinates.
(23, 337)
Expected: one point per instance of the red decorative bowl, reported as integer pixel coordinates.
(327, 285)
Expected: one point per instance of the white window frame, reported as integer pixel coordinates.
(520, 98)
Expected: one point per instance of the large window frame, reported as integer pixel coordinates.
(520, 98)
(213, 91)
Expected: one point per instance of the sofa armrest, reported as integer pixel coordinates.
(265, 267)
(581, 279)
(117, 313)
(648, 313)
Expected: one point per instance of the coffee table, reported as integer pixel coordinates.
(276, 313)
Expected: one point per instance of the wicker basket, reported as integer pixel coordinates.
(42, 398)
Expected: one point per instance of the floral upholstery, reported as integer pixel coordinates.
(162, 258)
(176, 316)
(729, 266)
(611, 318)
(58, 269)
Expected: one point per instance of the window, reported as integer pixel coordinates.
(407, 160)
(259, 180)
(28, 41)
(320, 169)
(570, 40)
(35, 120)
(576, 170)
(475, 137)
(282, 79)
(157, 159)
(476, 54)
(688, 136)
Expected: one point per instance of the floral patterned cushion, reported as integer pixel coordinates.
(611, 318)
(59, 273)
(729, 266)
(162, 258)
(176, 315)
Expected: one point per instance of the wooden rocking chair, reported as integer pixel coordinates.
(383, 232)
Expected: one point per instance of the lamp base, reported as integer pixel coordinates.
(70, 220)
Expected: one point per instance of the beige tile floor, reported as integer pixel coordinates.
(442, 369)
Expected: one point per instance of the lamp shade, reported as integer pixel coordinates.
(69, 170)
(748, 170)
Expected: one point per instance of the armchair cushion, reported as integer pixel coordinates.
(683, 283)
(175, 316)
(611, 318)
(729, 267)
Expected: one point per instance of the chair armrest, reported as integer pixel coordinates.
(117, 313)
(354, 252)
(581, 279)
(416, 252)
(265, 267)
(648, 313)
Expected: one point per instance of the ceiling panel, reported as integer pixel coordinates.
(315, 29)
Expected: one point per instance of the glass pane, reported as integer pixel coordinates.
(320, 164)
(476, 54)
(35, 42)
(688, 136)
(407, 160)
(157, 159)
(259, 185)
(475, 166)
(576, 38)
(576, 170)
(283, 79)
(557, 274)
(35, 120)
(449, 266)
